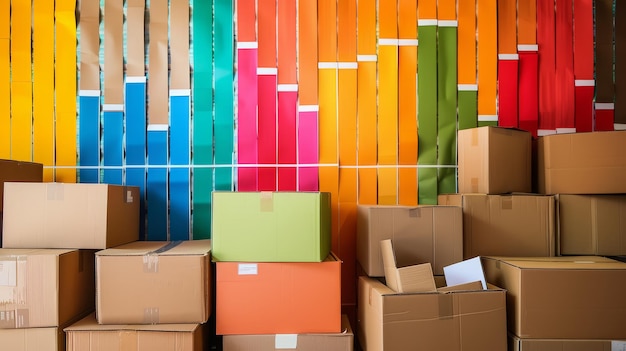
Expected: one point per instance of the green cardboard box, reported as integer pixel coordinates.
(271, 226)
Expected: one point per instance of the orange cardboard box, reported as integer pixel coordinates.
(278, 298)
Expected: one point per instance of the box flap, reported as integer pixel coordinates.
(89, 323)
(473, 286)
(417, 278)
(162, 248)
(566, 262)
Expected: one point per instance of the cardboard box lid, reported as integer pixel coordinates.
(518, 344)
(414, 278)
(89, 323)
(566, 262)
(161, 248)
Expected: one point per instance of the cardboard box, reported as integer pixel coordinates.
(416, 278)
(271, 226)
(343, 341)
(45, 287)
(17, 171)
(505, 225)
(33, 339)
(59, 215)
(88, 335)
(278, 298)
(517, 344)
(591, 225)
(451, 321)
(421, 234)
(576, 297)
(494, 160)
(582, 163)
(152, 282)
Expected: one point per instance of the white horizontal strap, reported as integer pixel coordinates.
(426, 22)
(388, 41)
(448, 23)
(468, 87)
(287, 87)
(327, 65)
(137, 79)
(565, 130)
(267, 71)
(508, 57)
(584, 82)
(180, 92)
(544, 132)
(605, 106)
(487, 118)
(247, 45)
(408, 42)
(158, 127)
(308, 108)
(366, 58)
(113, 108)
(619, 126)
(526, 47)
(92, 93)
(347, 65)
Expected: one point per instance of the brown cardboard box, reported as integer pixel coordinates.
(576, 297)
(505, 225)
(451, 321)
(59, 215)
(45, 287)
(494, 160)
(343, 341)
(582, 163)
(517, 344)
(88, 335)
(151, 282)
(16, 171)
(421, 234)
(278, 297)
(416, 278)
(33, 339)
(591, 225)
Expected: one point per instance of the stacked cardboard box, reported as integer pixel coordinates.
(275, 274)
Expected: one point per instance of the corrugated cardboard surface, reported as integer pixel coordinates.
(278, 298)
(494, 160)
(420, 234)
(271, 226)
(343, 341)
(591, 224)
(576, 297)
(33, 339)
(88, 335)
(517, 344)
(154, 282)
(453, 321)
(506, 225)
(582, 163)
(45, 287)
(16, 171)
(59, 215)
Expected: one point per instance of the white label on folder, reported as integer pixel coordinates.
(8, 273)
(618, 345)
(248, 269)
(286, 341)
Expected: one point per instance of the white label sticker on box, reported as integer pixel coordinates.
(8, 273)
(618, 345)
(248, 269)
(286, 341)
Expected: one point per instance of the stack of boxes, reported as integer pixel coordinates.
(407, 245)
(52, 277)
(278, 285)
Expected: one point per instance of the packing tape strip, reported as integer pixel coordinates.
(266, 201)
(415, 212)
(151, 315)
(446, 305)
(55, 191)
